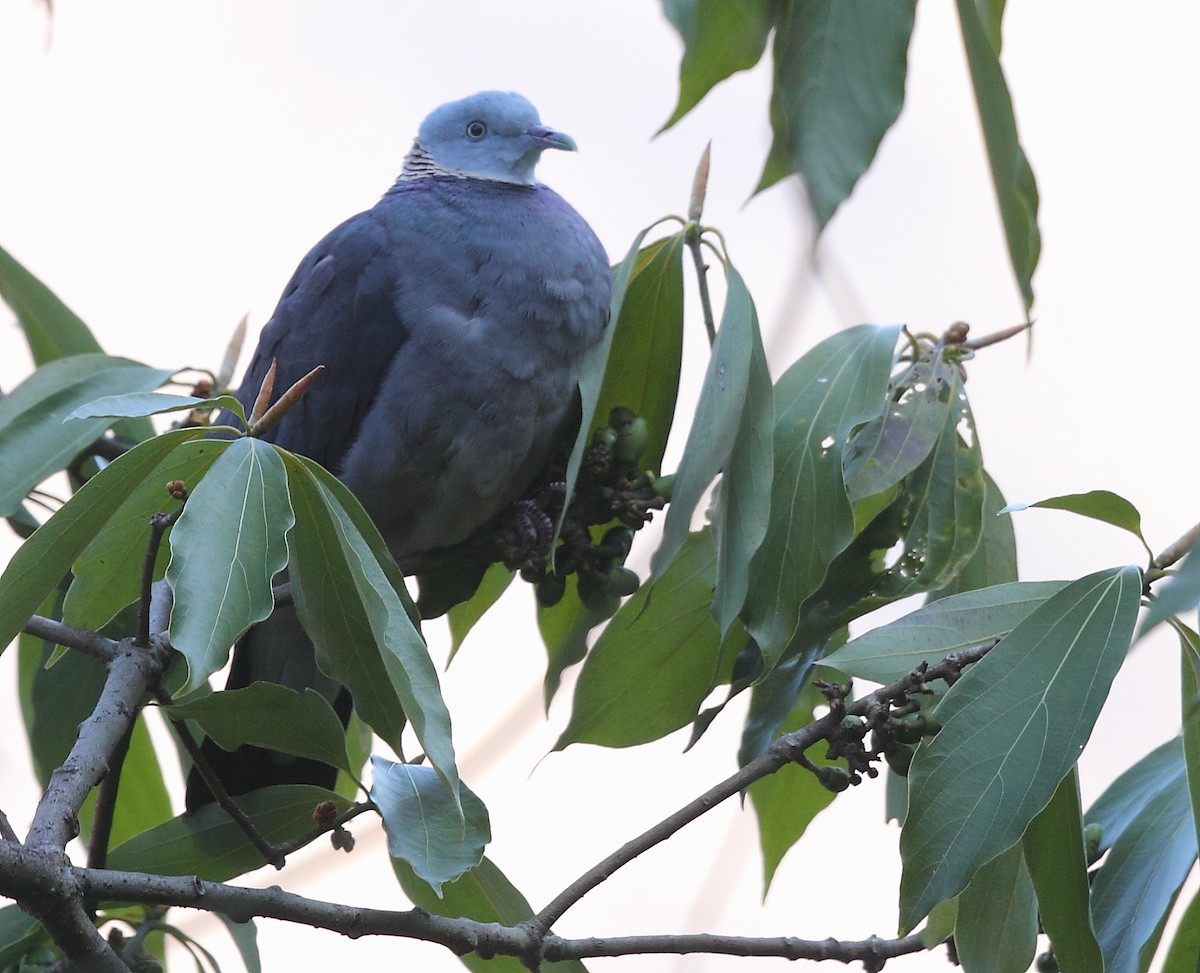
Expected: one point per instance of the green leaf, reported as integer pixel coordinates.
(940, 925)
(46, 558)
(1057, 862)
(995, 559)
(786, 802)
(1000, 757)
(207, 843)
(245, 938)
(1102, 505)
(997, 924)
(302, 724)
(347, 592)
(1147, 862)
(933, 632)
(1115, 810)
(52, 329)
(564, 629)
(839, 85)
(720, 38)
(655, 662)
(35, 441)
(108, 574)
(425, 825)
(20, 933)
(225, 550)
(1016, 189)
(1181, 957)
(132, 404)
(1179, 593)
(463, 616)
(1189, 686)
(839, 384)
(486, 895)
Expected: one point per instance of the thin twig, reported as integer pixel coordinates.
(80, 639)
(159, 525)
(1177, 549)
(997, 336)
(6, 829)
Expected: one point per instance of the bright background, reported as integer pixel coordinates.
(164, 166)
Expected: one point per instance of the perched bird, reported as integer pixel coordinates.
(451, 319)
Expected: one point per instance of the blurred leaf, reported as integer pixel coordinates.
(462, 617)
(656, 661)
(486, 895)
(1189, 691)
(720, 38)
(44, 560)
(1102, 505)
(564, 629)
(131, 404)
(34, 439)
(225, 550)
(1147, 862)
(1178, 593)
(1185, 948)
(838, 87)
(52, 329)
(999, 758)
(995, 559)
(1016, 189)
(302, 724)
(245, 938)
(425, 824)
(787, 801)
(774, 697)
(1057, 862)
(933, 632)
(1161, 770)
(991, 13)
(347, 592)
(207, 843)
(19, 931)
(997, 922)
(108, 574)
(940, 925)
(836, 386)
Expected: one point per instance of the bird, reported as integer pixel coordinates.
(451, 319)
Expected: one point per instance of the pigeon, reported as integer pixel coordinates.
(451, 319)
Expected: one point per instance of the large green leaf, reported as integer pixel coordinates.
(135, 404)
(995, 559)
(225, 550)
(1103, 505)
(302, 724)
(1057, 861)
(207, 843)
(46, 558)
(35, 441)
(564, 629)
(52, 329)
(1012, 727)
(655, 662)
(720, 38)
(425, 825)
(839, 384)
(19, 931)
(348, 596)
(935, 631)
(463, 616)
(486, 895)
(996, 928)
(108, 574)
(1016, 189)
(839, 85)
(1185, 947)
(1125, 799)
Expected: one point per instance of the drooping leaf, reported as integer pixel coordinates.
(1000, 757)
(1057, 862)
(1102, 505)
(52, 329)
(1016, 189)
(44, 560)
(1185, 947)
(131, 404)
(245, 938)
(302, 724)
(720, 39)
(486, 895)
(1125, 798)
(35, 441)
(997, 923)
(838, 87)
(108, 574)
(462, 617)
(564, 629)
(995, 559)
(425, 825)
(1189, 691)
(655, 662)
(933, 632)
(209, 844)
(836, 386)
(347, 592)
(225, 550)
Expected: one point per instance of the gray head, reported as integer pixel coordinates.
(490, 135)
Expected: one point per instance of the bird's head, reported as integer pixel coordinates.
(491, 135)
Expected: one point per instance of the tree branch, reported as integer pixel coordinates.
(81, 639)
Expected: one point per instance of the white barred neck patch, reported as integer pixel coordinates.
(419, 164)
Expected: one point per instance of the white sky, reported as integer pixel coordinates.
(164, 166)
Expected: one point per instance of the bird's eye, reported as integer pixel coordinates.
(476, 130)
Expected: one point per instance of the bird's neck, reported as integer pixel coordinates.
(420, 164)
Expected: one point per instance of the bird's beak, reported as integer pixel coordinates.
(547, 138)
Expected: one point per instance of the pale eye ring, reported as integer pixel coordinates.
(476, 130)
